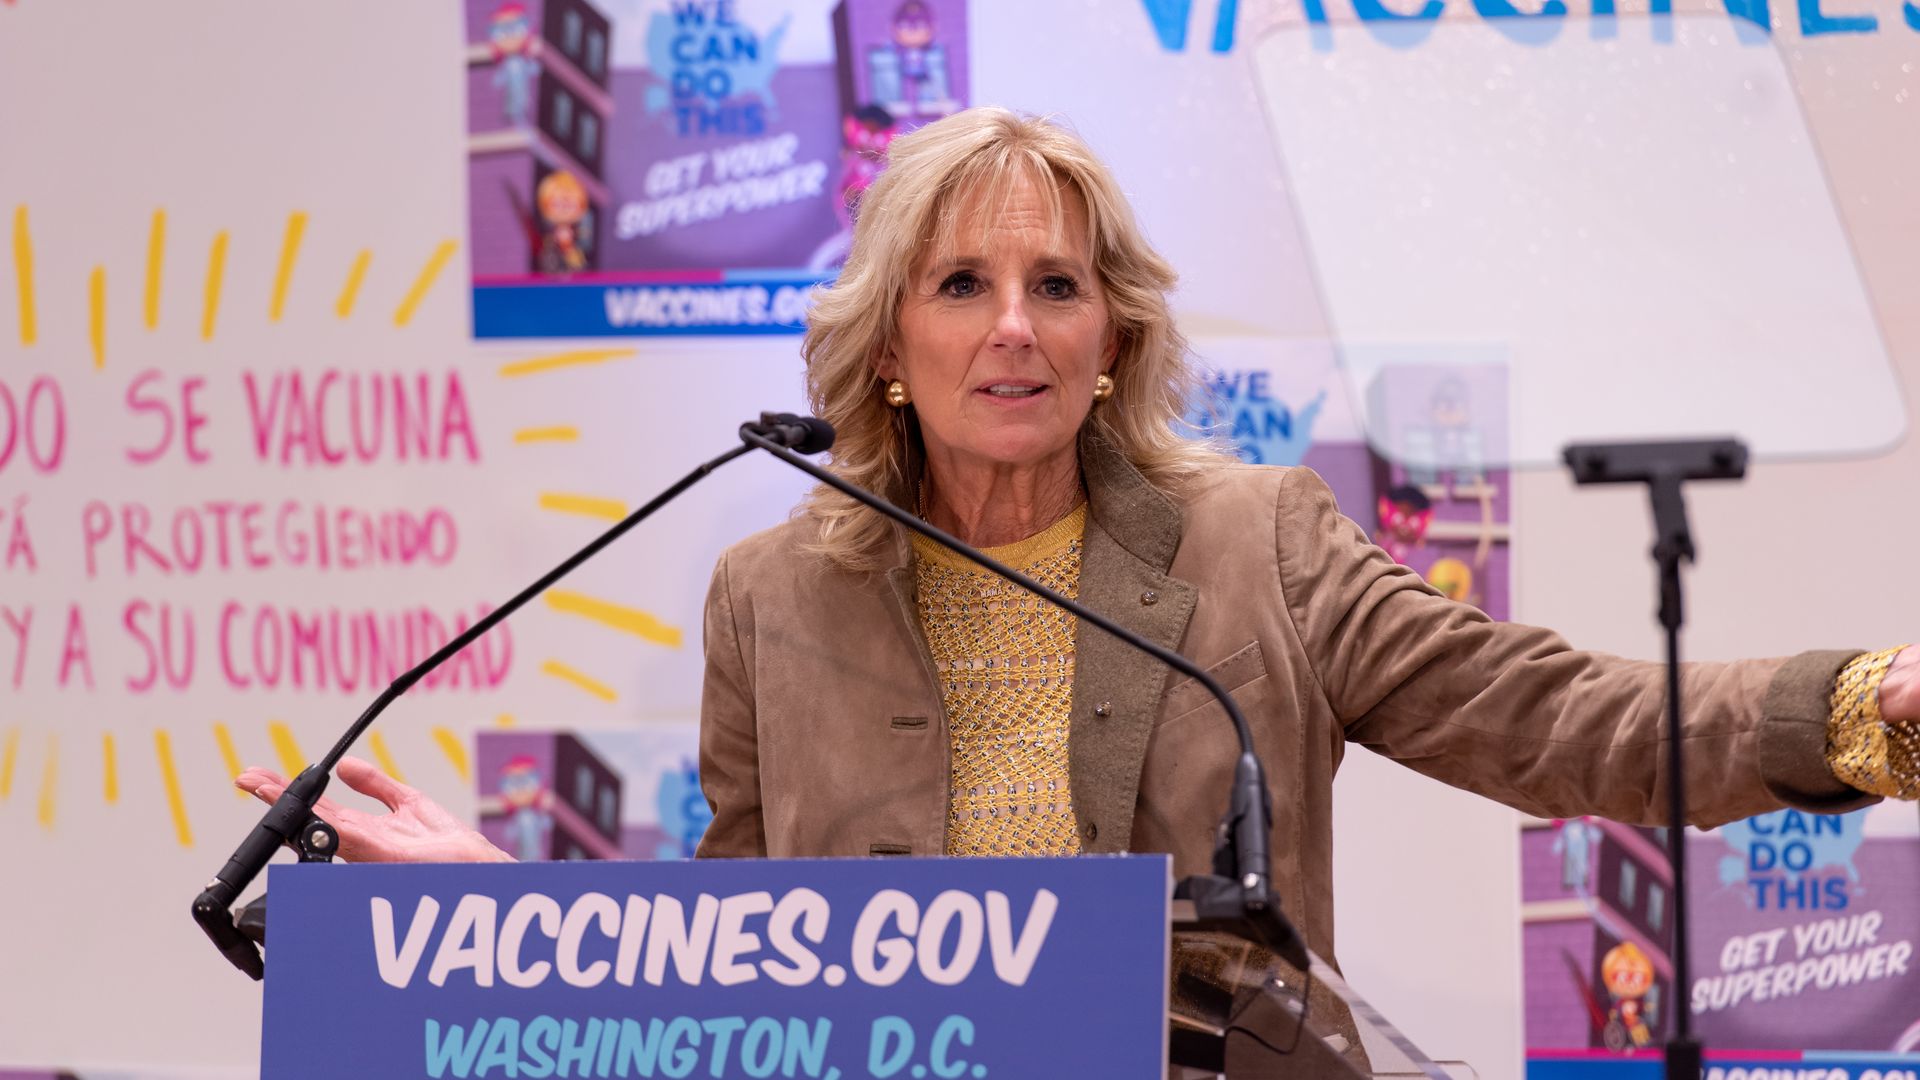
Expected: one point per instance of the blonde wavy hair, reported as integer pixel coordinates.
(913, 208)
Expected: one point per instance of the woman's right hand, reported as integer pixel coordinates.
(417, 829)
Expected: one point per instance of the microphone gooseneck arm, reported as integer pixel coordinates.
(291, 820)
(1241, 855)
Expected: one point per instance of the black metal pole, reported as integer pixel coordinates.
(1664, 467)
(1684, 1056)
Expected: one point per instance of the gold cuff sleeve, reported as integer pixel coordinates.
(1863, 748)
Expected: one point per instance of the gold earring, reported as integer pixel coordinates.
(1103, 387)
(897, 395)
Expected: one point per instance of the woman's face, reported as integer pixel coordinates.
(1001, 337)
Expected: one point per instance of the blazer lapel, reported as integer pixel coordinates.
(1132, 533)
(930, 834)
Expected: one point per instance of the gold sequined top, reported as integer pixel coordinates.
(1864, 748)
(1005, 662)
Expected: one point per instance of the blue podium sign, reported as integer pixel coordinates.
(990, 969)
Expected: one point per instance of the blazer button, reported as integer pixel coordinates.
(1149, 598)
(1091, 832)
(1103, 710)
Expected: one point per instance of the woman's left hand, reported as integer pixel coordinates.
(1900, 689)
(417, 829)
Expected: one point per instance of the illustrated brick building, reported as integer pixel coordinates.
(1586, 886)
(537, 104)
(547, 795)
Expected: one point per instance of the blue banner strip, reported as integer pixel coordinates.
(1831, 1065)
(772, 303)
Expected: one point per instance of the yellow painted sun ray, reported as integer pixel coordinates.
(503, 720)
(456, 752)
(49, 783)
(156, 261)
(558, 433)
(216, 274)
(170, 780)
(291, 759)
(575, 358)
(97, 315)
(350, 292)
(585, 682)
(23, 274)
(640, 624)
(424, 281)
(9, 753)
(588, 505)
(289, 255)
(109, 770)
(229, 756)
(377, 742)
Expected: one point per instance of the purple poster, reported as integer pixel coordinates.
(1803, 929)
(684, 166)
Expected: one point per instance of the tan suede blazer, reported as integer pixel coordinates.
(822, 730)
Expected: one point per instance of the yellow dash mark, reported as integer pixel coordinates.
(591, 685)
(424, 281)
(8, 755)
(289, 254)
(377, 742)
(503, 720)
(49, 782)
(538, 364)
(23, 273)
(561, 433)
(589, 505)
(291, 759)
(630, 620)
(97, 315)
(110, 769)
(216, 271)
(156, 257)
(451, 746)
(228, 755)
(170, 779)
(350, 292)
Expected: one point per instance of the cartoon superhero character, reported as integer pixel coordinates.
(865, 136)
(528, 803)
(1405, 515)
(1456, 443)
(1575, 842)
(562, 205)
(912, 42)
(515, 53)
(1628, 975)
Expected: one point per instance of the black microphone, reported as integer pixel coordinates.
(1238, 896)
(291, 820)
(801, 434)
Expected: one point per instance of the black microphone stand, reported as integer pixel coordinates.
(291, 820)
(1238, 897)
(1663, 467)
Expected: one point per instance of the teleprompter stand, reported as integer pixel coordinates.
(1663, 467)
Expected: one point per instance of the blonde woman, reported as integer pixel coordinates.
(998, 354)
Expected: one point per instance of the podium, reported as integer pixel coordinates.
(882, 968)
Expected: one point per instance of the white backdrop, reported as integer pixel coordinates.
(231, 118)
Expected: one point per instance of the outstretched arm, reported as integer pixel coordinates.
(1519, 715)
